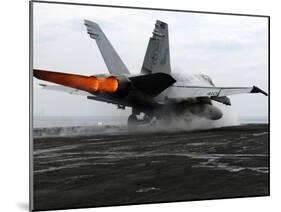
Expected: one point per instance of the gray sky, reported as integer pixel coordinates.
(232, 50)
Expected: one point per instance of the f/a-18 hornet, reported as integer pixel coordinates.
(152, 94)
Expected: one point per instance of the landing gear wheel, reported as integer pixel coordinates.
(132, 122)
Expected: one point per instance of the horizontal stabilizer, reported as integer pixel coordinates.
(183, 92)
(152, 84)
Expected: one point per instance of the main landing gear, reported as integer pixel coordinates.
(134, 122)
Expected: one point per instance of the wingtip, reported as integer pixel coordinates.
(42, 85)
(258, 90)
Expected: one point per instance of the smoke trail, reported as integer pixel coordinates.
(188, 121)
(196, 79)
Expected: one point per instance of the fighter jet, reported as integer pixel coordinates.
(152, 94)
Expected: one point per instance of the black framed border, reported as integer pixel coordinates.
(31, 164)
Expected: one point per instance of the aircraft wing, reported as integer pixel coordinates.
(182, 92)
(64, 89)
(73, 91)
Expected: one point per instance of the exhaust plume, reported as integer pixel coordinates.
(90, 84)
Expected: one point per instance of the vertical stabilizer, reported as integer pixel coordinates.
(112, 60)
(157, 56)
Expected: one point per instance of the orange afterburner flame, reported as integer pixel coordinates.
(90, 84)
(107, 85)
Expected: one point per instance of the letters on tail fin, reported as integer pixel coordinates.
(110, 56)
(157, 57)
